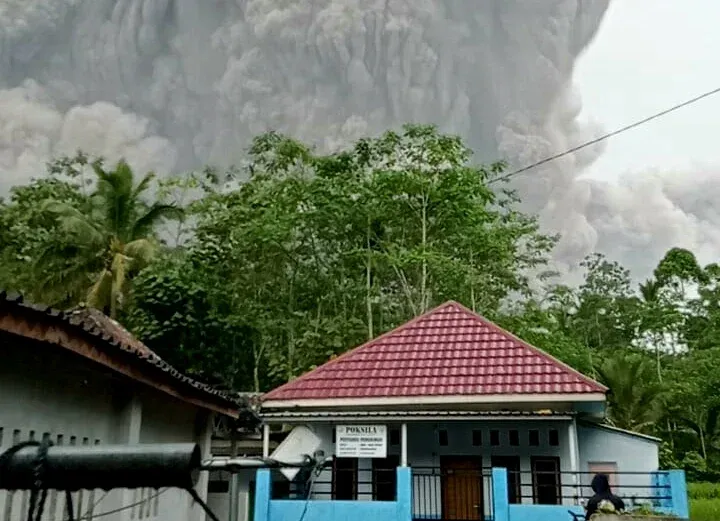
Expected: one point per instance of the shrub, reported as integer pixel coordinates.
(704, 491)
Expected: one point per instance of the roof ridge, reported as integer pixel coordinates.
(536, 350)
(439, 346)
(357, 349)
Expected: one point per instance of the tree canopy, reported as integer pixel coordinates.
(251, 276)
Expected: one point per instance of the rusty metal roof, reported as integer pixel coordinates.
(449, 351)
(109, 334)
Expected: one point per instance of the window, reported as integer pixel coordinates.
(443, 438)
(554, 438)
(218, 486)
(494, 438)
(546, 480)
(476, 438)
(394, 437)
(512, 464)
(384, 480)
(344, 484)
(514, 436)
(534, 438)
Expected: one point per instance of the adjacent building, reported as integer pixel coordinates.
(79, 378)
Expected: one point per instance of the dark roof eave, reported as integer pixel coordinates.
(135, 354)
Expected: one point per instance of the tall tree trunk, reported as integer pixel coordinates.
(424, 304)
(368, 283)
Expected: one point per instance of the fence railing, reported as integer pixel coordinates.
(338, 484)
(452, 493)
(563, 488)
(466, 492)
(662, 491)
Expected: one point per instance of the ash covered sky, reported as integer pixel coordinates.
(172, 84)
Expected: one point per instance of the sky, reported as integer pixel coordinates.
(648, 56)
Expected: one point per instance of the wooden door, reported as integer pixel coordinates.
(462, 488)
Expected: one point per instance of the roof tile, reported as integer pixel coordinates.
(449, 351)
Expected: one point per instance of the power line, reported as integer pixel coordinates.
(606, 136)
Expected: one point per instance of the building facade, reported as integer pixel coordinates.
(79, 378)
(452, 397)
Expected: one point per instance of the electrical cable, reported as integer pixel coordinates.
(120, 509)
(606, 136)
(38, 492)
(308, 493)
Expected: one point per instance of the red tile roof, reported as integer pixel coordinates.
(449, 351)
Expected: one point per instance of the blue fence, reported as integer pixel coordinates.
(670, 496)
(669, 487)
(267, 509)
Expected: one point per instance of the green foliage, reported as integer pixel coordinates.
(636, 398)
(101, 244)
(314, 254)
(705, 509)
(252, 276)
(703, 490)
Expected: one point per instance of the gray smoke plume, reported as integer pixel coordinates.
(172, 84)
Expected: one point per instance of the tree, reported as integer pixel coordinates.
(102, 243)
(313, 254)
(636, 400)
(607, 311)
(26, 229)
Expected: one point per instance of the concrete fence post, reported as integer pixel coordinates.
(679, 493)
(263, 493)
(500, 497)
(404, 494)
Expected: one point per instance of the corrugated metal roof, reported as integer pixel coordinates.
(289, 416)
(115, 336)
(626, 432)
(449, 351)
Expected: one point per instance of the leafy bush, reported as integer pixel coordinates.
(704, 491)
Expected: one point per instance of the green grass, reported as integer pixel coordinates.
(704, 490)
(704, 501)
(704, 509)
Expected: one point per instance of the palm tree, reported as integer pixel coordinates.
(104, 244)
(636, 399)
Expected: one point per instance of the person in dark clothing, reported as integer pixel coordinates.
(603, 496)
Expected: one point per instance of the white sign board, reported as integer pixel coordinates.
(361, 441)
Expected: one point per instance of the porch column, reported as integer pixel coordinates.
(403, 445)
(266, 441)
(574, 454)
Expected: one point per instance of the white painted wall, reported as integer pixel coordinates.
(424, 451)
(220, 502)
(630, 453)
(48, 392)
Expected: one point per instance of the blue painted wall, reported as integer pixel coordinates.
(267, 509)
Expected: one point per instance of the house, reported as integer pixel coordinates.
(450, 396)
(80, 378)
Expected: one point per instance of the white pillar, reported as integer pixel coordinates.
(266, 441)
(403, 445)
(574, 455)
(203, 437)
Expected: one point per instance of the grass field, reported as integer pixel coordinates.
(704, 501)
